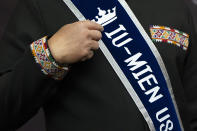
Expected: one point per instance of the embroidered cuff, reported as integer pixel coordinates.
(45, 60)
(172, 36)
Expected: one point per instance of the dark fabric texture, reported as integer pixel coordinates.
(91, 97)
(193, 7)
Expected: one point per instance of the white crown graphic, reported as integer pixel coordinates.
(105, 17)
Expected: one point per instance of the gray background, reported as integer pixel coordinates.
(6, 8)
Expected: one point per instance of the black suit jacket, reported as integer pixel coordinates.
(91, 97)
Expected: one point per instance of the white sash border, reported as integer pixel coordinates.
(156, 54)
(119, 72)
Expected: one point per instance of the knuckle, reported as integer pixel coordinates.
(88, 22)
(97, 46)
(89, 42)
(95, 43)
(91, 54)
(81, 24)
(84, 52)
(99, 34)
(86, 35)
(83, 31)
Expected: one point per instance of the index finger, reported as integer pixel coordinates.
(94, 26)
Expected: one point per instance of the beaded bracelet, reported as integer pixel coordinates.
(45, 60)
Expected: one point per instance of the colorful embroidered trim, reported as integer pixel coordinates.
(44, 58)
(172, 36)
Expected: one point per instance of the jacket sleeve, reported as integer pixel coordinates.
(190, 76)
(23, 87)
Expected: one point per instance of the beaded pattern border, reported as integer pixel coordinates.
(45, 60)
(172, 36)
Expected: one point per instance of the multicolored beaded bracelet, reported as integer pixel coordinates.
(46, 61)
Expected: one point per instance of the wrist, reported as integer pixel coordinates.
(46, 61)
(54, 58)
(54, 53)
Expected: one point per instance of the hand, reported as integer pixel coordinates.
(75, 42)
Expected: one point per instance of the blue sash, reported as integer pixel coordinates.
(135, 59)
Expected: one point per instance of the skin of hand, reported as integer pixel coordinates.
(75, 42)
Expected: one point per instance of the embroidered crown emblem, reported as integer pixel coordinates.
(105, 17)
